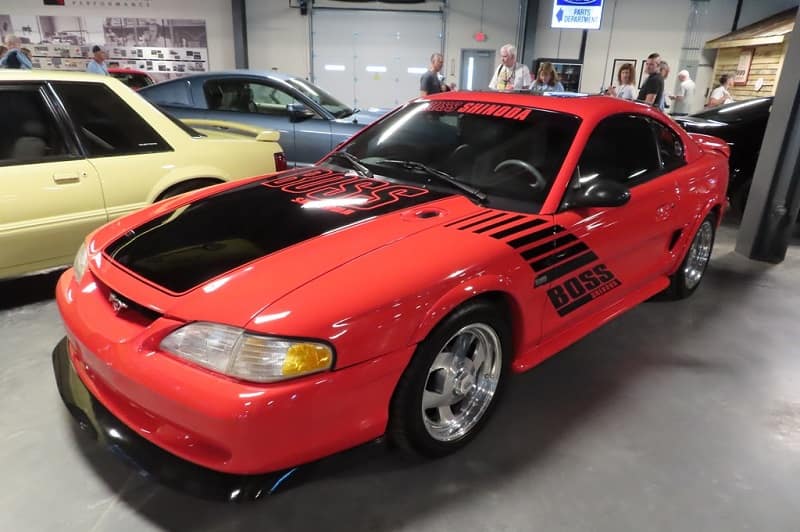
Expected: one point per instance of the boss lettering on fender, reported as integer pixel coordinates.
(582, 288)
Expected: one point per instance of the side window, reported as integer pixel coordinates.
(104, 122)
(228, 95)
(247, 97)
(670, 147)
(30, 132)
(621, 148)
(174, 93)
(270, 100)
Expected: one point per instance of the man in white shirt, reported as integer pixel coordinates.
(683, 100)
(510, 75)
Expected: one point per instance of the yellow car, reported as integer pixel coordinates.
(78, 150)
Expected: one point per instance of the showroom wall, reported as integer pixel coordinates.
(632, 29)
(278, 35)
(216, 13)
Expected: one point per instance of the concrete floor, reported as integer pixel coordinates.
(678, 416)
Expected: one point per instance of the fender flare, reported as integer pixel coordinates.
(461, 293)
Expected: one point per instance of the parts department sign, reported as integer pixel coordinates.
(577, 14)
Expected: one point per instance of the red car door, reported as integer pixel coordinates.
(617, 250)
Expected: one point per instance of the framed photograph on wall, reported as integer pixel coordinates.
(612, 79)
(569, 71)
(642, 74)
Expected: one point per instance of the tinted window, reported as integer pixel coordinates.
(247, 97)
(511, 153)
(670, 147)
(135, 81)
(104, 122)
(621, 148)
(171, 93)
(29, 132)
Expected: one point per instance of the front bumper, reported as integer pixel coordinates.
(209, 420)
(148, 459)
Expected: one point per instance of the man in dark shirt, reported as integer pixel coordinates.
(653, 88)
(429, 82)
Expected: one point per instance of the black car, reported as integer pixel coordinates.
(741, 125)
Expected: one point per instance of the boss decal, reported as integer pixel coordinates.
(582, 288)
(319, 185)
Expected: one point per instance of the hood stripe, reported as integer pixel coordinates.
(532, 253)
(556, 258)
(499, 224)
(517, 228)
(470, 217)
(483, 221)
(565, 268)
(551, 259)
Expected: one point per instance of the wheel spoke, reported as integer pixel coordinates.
(446, 416)
(478, 358)
(462, 345)
(431, 399)
(443, 361)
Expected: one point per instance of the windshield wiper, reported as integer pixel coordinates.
(441, 176)
(355, 163)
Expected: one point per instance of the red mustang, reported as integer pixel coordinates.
(255, 326)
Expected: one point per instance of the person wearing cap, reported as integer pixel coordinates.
(97, 65)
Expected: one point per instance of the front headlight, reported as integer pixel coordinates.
(80, 263)
(232, 351)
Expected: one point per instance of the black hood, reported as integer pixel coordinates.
(215, 234)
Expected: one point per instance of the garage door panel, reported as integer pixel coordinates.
(364, 57)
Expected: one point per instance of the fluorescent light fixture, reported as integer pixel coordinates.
(470, 72)
(335, 68)
(376, 68)
(416, 70)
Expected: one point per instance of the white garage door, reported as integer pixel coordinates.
(373, 58)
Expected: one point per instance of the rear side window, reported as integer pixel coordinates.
(622, 148)
(670, 147)
(105, 124)
(29, 131)
(174, 93)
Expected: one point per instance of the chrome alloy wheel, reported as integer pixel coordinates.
(461, 382)
(699, 254)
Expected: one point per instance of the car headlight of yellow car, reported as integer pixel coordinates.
(81, 262)
(250, 357)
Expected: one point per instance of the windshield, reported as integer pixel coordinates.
(334, 106)
(510, 153)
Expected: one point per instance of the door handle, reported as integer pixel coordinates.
(62, 178)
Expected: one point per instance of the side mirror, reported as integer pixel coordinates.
(598, 193)
(298, 112)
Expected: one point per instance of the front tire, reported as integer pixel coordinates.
(452, 383)
(685, 281)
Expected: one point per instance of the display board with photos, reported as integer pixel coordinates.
(170, 47)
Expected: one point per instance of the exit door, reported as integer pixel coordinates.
(477, 67)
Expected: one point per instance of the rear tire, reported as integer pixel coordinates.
(450, 387)
(687, 278)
